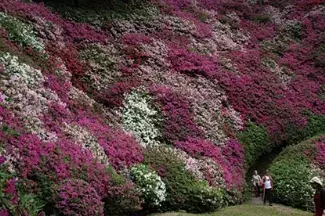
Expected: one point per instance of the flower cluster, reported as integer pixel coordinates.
(141, 118)
(152, 187)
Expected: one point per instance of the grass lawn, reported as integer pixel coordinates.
(250, 210)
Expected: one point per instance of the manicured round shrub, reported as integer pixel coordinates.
(292, 171)
(77, 197)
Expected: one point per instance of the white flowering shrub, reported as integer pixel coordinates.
(141, 118)
(152, 187)
(20, 32)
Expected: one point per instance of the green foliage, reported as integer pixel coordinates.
(8, 131)
(21, 33)
(204, 198)
(183, 191)
(228, 20)
(291, 172)
(261, 18)
(27, 203)
(99, 13)
(294, 30)
(319, 54)
(123, 199)
(314, 127)
(31, 204)
(256, 142)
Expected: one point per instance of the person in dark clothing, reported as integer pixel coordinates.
(319, 196)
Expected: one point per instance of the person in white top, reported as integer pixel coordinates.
(257, 181)
(268, 187)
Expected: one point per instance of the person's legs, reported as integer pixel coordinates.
(256, 190)
(270, 194)
(266, 195)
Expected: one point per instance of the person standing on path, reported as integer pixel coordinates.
(257, 181)
(319, 196)
(268, 187)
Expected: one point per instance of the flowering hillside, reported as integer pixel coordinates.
(160, 105)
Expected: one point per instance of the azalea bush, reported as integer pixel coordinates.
(72, 196)
(194, 91)
(152, 187)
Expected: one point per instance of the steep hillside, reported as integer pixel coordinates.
(158, 105)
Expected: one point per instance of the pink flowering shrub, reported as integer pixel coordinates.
(77, 197)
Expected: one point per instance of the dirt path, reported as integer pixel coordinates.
(257, 200)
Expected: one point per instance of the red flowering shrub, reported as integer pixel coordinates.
(77, 197)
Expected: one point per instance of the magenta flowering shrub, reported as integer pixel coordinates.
(188, 62)
(178, 123)
(122, 149)
(4, 212)
(11, 191)
(77, 197)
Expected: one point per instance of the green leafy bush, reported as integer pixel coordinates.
(315, 126)
(184, 192)
(291, 173)
(124, 197)
(256, 142)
